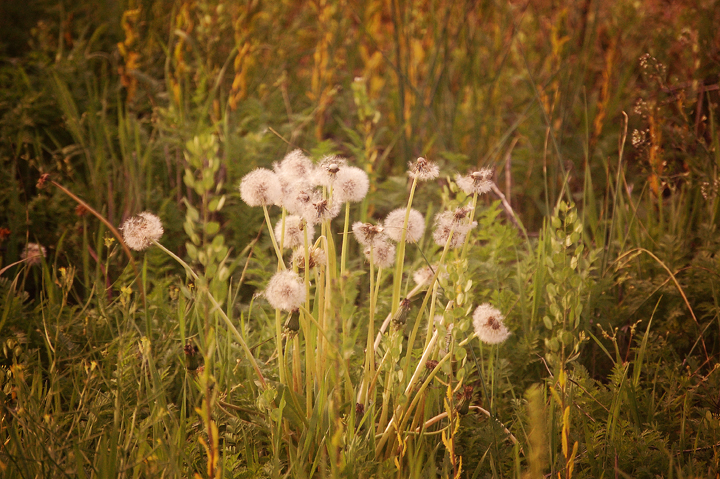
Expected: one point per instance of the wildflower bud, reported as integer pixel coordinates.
(394, 225)
(431, 364)
(261, 187)
(489, 324)
(293, 322)
(141, 230)
(285, 291)
(400, 317)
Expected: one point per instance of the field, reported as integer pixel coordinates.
(359, 239)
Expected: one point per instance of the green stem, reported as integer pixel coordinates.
(271, 232)
(400, 258)
(343, 254)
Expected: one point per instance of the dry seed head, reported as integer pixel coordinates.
(295, 228)
(351, 185)
(476, 182)
(320, 211)
(383, 253)
(394, 225)
(261, 187)
(327, 169)
(489, 324)
(423, 169)
(294, 167)
(317, 258)
(285, 291)
(141, 230)
(298, 196)
(33, 253)
(366, 233)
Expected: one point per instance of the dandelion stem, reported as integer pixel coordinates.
(343, 254)
(281, 264)
(400, 259)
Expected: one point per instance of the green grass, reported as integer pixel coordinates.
(136, 364)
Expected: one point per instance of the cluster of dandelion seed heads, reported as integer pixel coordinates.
(396, 219)
(285, 291)
(489, 324)
(383, 253)
(33, 253)
(423, 170)
(261, 187)
(140, 231)
(351, 185)
(295, 228)
(366, 233)
(476, 182)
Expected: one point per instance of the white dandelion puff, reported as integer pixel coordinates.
(476, 182)
(327, 169)
(383, 253)
(394, 225)
(423, 169)
(295, 166)
(141, 230)
(295, 228)
(261, 187)
(285, 291)
(489, 324)
(351, 185)
(366, 233)
(455, 221)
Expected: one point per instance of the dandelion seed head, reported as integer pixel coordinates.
(285, 291)
(327, 169)
(320, 211)
(394, 225)
(299, 196)
(489, 324)
(351, 185)
(261, 187)
(141, 230)
(33, 253)
(383, 253)
(295, 227)
(476, 182)
(423, 169)
(294, 166)
(317, 257)
(366, 233)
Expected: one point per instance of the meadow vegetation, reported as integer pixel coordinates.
(359, 239)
